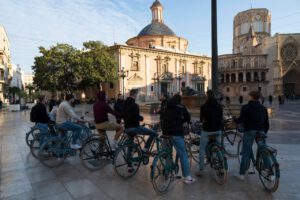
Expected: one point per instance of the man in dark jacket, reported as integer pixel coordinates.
(52, 102)
(39, 115)
(118, 107)
(175, 116)
(101, 109)
(255, 120)
(132, 118)
(211, 116)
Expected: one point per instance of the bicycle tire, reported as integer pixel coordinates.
(193, 147)
(272, 174)
(230, 141)
(130, 166)
(53, 149)
(93, 154)
(31, 135)
(161, 170)
(218, 163)
(35, 147)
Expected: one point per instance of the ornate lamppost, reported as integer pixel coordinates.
(123, 74)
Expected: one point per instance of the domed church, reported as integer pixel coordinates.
(157, 61)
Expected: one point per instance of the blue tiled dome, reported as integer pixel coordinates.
(156, 28)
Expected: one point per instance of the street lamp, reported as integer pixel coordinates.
(123, 74)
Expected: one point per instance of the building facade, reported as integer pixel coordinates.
(156, 61)
(5, 62)
(259, 61)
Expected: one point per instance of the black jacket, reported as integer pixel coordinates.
(254, 116)
(162, 111)
(175, 115)
(212, 116)
(131, 114)
(119, 106)
(39, 114)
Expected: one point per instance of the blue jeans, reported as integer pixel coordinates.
(143, 131)
(69, 126)
(179, 145)
(203, 142)
(43, 128)
(247, 153)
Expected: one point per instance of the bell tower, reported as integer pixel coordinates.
(157, 12)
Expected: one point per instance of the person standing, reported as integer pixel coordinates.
(280, 99)
(255, 120)
(1, 103)
(118, 107)
(241, 100)
(270, 99)
(163, 106)
(211, 116)
(175, 116)
(52, 102)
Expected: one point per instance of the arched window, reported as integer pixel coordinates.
(248, 77)
(182, 69)
(263, 76)
(164, 68)
(233, 78)
(241, 77)
(227, 78)
(256, 78)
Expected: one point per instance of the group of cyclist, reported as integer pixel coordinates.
(173, 114)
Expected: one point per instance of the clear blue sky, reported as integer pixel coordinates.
(33, 23)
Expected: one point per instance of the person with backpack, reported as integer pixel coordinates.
(211, 116)
(175, 116)
(39, 115)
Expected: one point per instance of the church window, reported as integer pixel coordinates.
(244, 89)
(135, 66)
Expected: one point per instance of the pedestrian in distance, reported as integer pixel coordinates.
(270, 99)
(1, 104)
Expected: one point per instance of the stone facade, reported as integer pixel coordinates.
(260, 61)
(5, 63)
(157, 61)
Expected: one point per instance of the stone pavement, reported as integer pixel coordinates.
(23, 177)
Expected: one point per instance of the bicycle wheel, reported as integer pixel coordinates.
(193, 147)
(30, 136)
(269, 172)
(219, 165)
(230, 141)
(161, 172)
(94, 153)
(53, 153)
(127, 160)
(35, 147)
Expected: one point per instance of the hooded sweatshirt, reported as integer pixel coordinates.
(131, 114)
(211, 116)
(175, 115)
(254, 116)
(101, 109)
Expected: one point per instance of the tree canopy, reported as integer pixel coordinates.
(65, 68)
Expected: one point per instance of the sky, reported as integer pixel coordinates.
(33, 23)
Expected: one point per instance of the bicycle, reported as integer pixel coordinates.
(96, 150)
(164, 168)
(129, 156)
(231, 135)
(55, 150)
(30, 136)
(265, 163)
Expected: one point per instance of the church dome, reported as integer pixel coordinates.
(156, 28)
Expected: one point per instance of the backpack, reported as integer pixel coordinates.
(34, 114)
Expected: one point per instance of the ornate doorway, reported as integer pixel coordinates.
(291, 82)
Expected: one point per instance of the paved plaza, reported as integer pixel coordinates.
(23, 177)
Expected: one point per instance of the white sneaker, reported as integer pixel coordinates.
(239, 176)
(188, 180)
(75, 146)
